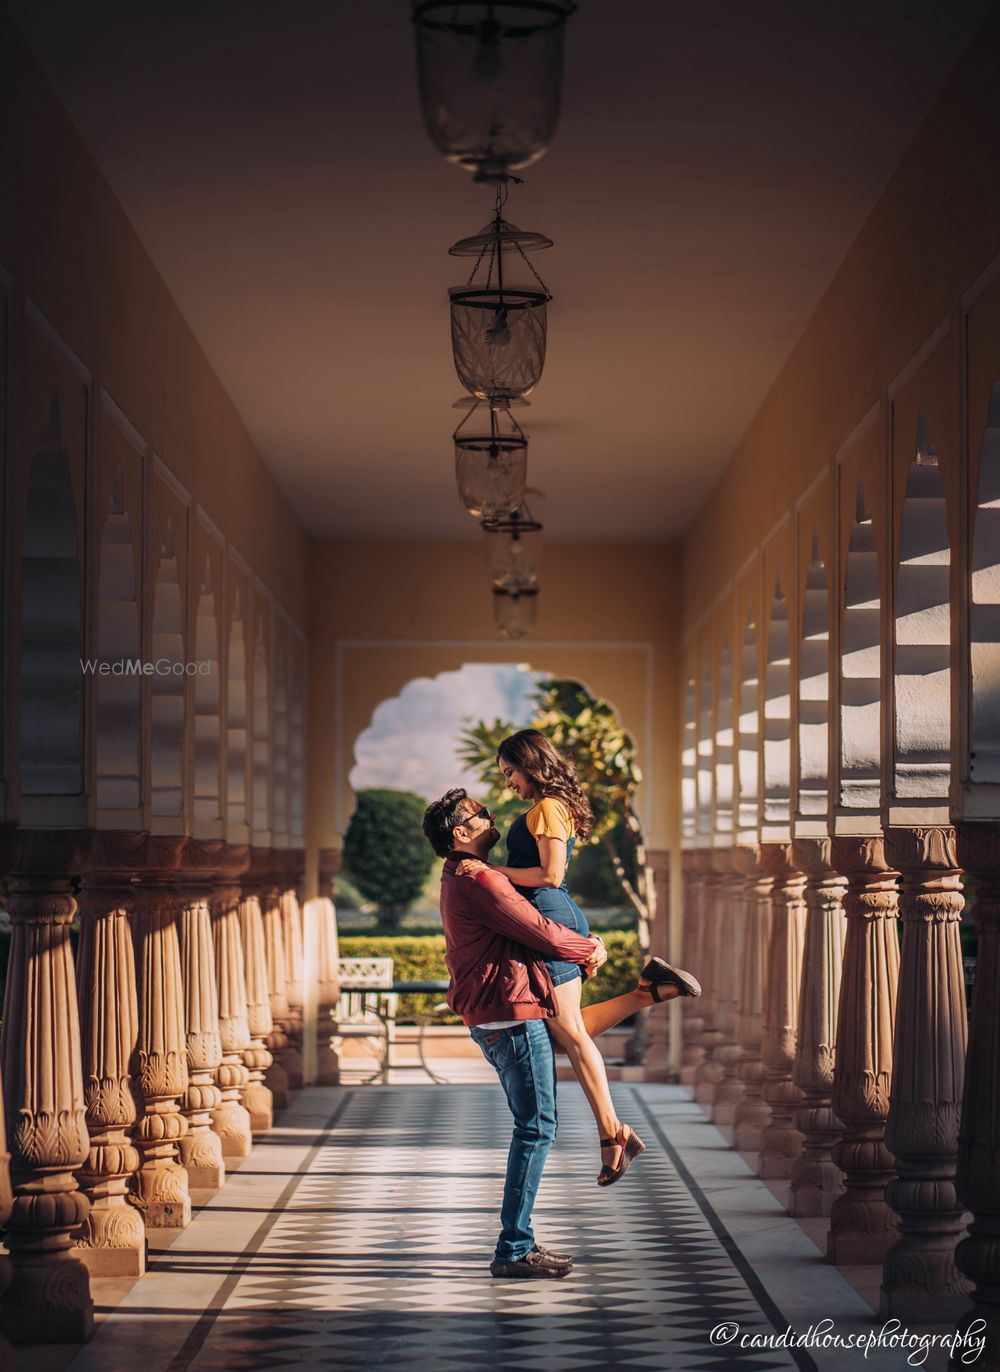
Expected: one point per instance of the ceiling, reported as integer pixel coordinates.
(713, 164)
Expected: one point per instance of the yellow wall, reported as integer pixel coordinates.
(384, 613)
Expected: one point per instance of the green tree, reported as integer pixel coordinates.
(588, 731)
(385, 853)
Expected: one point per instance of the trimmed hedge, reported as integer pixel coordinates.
(422, 959)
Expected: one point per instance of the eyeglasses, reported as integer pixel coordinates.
(481, 813)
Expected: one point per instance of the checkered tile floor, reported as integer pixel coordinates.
(378, 1257)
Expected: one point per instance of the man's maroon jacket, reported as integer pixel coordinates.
(496, 940)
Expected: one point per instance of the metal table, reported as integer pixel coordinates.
(423, 1021)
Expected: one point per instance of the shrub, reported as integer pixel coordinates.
(385, 853)
(422, 959)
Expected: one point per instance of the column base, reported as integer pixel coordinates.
(259, 1104)
(48, 1302)
(169, 1214)
(113, 1262)
(814, 1192)
(922, 1306)
(276, 1080)
(858, 1250)
(113, 1240)
(206, 1177)
(232, 1124)
(261, 1121)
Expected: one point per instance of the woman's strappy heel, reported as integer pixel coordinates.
(630, 1144)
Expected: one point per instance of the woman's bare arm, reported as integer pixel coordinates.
(550, 872)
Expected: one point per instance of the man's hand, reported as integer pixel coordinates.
(598, 957)
(468, 867)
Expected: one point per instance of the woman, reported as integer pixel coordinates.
(539, 846)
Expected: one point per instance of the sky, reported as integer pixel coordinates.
(411, 741)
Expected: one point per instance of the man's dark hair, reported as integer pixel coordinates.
(440, 818)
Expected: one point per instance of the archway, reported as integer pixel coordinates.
(118, 704)
(207, 704)
(51, 685)
(236, 718)
(706, 745)
(168, 685)
(748, 740)
(724, 744)
(860, 668)
(814, 690)
(984, 761)
(777, 713)
(922, 632)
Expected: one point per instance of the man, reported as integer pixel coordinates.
(502, 990)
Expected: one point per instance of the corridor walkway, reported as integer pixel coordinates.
(357, 1236)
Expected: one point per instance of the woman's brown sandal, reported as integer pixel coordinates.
(631, 1146)
(660, 976)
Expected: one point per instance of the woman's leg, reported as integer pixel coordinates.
(570, 1033)
(605, 1014)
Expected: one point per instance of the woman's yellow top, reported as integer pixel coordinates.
(550, 818)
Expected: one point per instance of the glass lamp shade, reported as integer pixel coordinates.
(514, 611)
(491, 470)
(490, 77)
(498, 340)
(513, 550)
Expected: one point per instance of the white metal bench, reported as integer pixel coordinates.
(366, 1010)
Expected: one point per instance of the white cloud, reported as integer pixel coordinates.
(411, 741)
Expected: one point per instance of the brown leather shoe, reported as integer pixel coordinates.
(556, 1257)
(533, 1264)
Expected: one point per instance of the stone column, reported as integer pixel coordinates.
(6, 1204)
(729, 1091)
(920, 1279)
(112, 1242)
(714, 952)
(48, 1297)
(862, 1227)
(977, 1177)
(752, 1113)
(162, 1182)
(692, 915)
(277, 980)
(257, 1098)
(815, 1177)
(780, 1141)
(231, 1120)
(291, 927)
(201, 1147)
(329, 990)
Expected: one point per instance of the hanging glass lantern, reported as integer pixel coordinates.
(490, 78)
(498, 329)
(491, 463)
(514, 610)
(513, 549)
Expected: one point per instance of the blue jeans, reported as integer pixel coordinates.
(524, 1060)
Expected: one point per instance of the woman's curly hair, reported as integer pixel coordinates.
(550, 772)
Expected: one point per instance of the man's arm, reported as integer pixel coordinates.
(500, 907)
